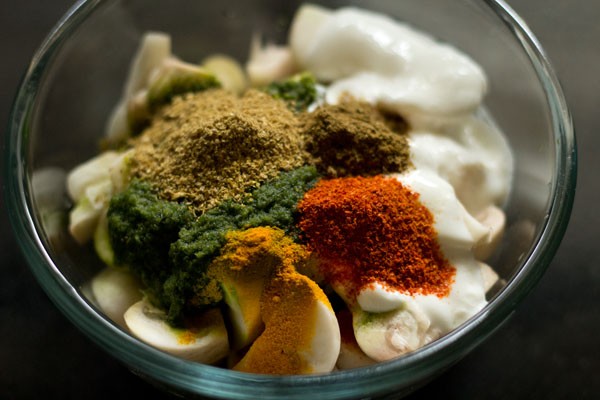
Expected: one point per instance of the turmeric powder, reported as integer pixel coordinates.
(275, 304)
(288, 307)
(246, 248)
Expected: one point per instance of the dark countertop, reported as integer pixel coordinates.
(549, 349)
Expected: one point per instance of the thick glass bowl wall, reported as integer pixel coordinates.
(77, 76)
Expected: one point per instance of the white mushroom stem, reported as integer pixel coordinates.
(494, 219)
(91, 185)
(48, 188)
(84, 217)
(383, 336)
(228, 71)
(152, 51)
(269, 63)
(89, 173)
(306, 24)
(351, 355)
(490, 277)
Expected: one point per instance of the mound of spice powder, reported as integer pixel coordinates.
(374, 229)
(354, 138)
(289, 310)
(210, 146)
(250, 256)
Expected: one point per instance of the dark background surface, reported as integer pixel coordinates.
(549, 349)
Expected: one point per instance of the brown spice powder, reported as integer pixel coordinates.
(210, 146)
(354, 138)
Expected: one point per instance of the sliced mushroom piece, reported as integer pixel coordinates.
(89, 173)
(269, 63)
(243, 301)
(490, 277)
(84, 217)
(351, 355)
(228, 71)
(205, 340)
(387, 335)
(494, 219)
(114, 291)
(154, 48)
(306, 24)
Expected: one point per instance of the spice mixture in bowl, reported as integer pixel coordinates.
(333, 196)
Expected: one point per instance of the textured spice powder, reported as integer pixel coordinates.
(289, 309)
(199, 325)
(247, 262)
(245, 248)
(373, 229)
(210, 146)
(253, 255)
(355, 138)
(262, 261)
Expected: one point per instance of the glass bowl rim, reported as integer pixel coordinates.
(203, 379)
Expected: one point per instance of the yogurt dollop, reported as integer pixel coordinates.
(384, 62)
(474, 158)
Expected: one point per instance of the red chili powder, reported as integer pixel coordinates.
(374, 229)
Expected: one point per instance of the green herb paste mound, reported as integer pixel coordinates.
(162, 243)
(141, 228)
(298, 91)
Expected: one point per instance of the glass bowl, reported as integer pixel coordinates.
(76, 76)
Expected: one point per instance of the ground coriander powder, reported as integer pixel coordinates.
(210, 146)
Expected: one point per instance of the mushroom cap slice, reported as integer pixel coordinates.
(205, 340)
